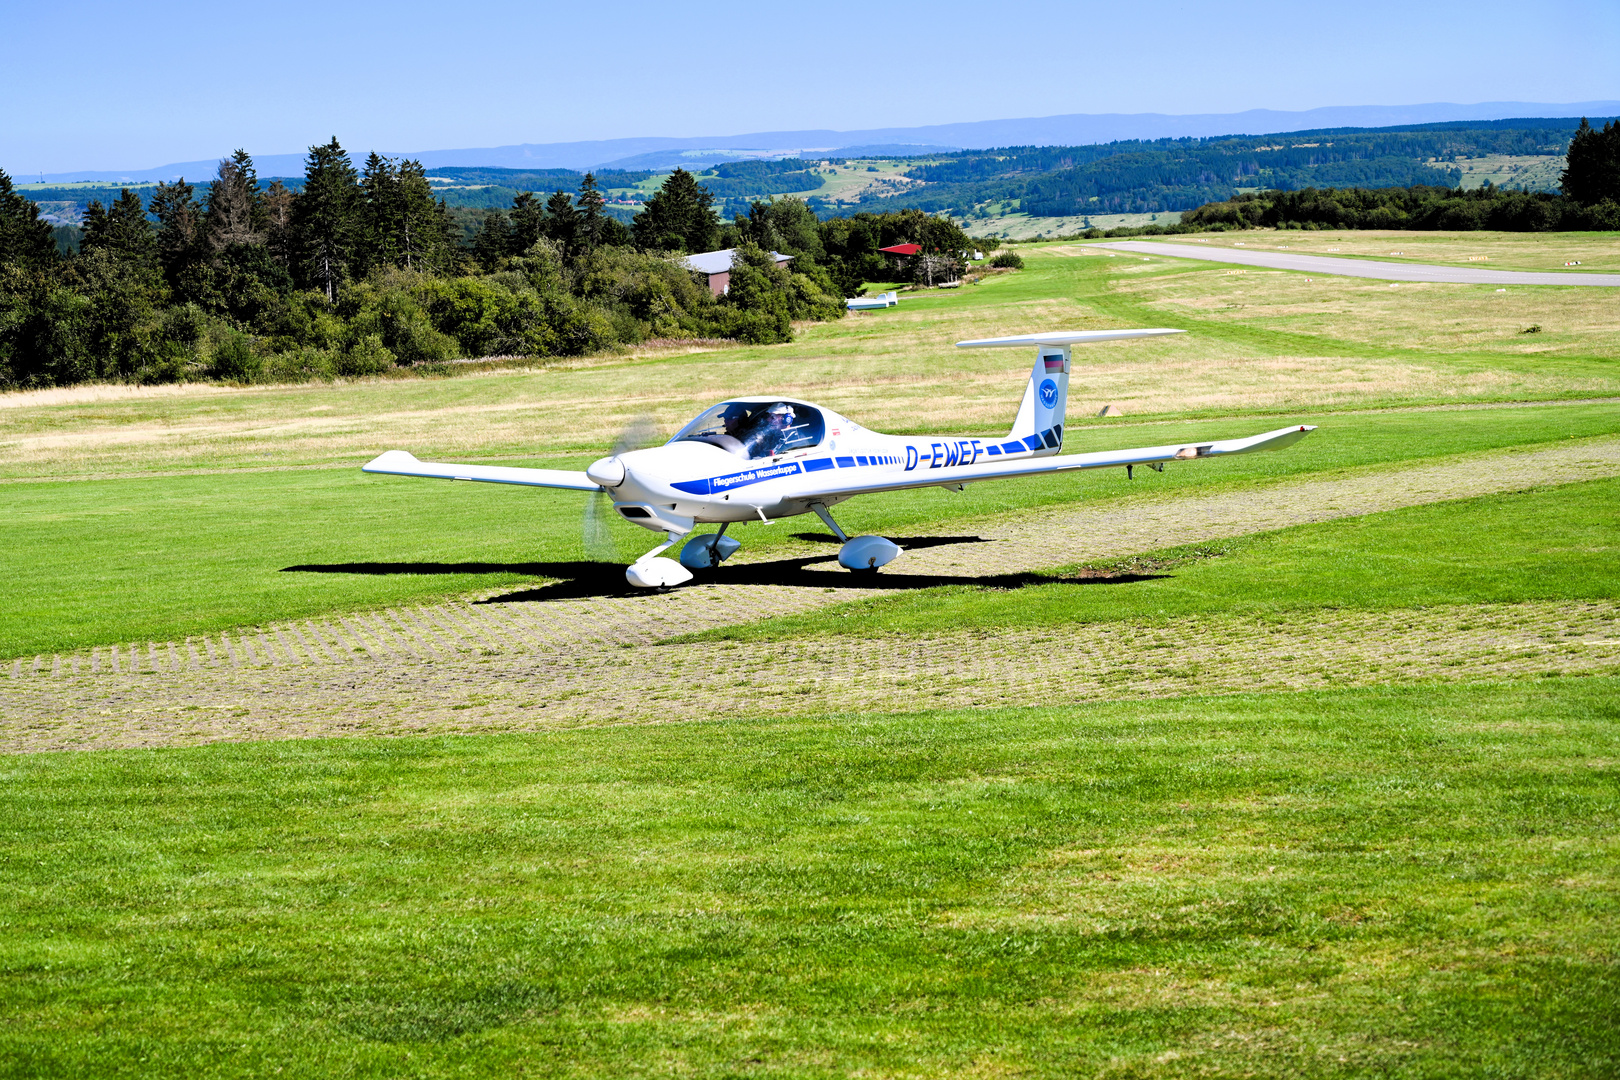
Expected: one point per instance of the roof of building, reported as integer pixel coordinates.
(719, 262)
(902, 249)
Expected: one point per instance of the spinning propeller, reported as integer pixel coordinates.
(639, 434)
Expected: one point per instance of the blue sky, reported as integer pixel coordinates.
(99, 85)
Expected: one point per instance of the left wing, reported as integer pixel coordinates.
(402, 463)
(839, 483)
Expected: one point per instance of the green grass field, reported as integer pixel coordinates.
(103, 561)
(1414, 883)
(1411, 881)
(1560, 543)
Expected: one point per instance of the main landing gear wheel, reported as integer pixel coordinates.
(863, 554)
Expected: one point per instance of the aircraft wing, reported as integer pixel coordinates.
(841, 483)
(401, 463)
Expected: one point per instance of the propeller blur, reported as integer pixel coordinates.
(769, 457)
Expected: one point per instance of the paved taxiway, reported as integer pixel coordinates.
(1383, 271)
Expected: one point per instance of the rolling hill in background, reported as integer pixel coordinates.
(1072, 130)
(1021, 191)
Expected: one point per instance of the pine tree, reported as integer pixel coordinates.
(121, 231)
(492, 241)
(680, 217)
(562, 221)
(528, 221)
(233, 205)
(380, 232)
(277, 205)
(1592, 169)
(25, 240)
(591, 217)
(424, 224)
(325, 219)
(180, 228)
(250, 180)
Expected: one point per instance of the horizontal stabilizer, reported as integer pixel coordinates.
(402, 463)
(1061, 337)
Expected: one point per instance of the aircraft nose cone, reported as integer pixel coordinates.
(609, 472)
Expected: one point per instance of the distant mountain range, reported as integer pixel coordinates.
(1076, 129)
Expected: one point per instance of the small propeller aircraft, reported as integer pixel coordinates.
(771, 457)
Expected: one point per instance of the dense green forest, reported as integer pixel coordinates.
(355, 271)
(1590, 199)
(1179, 174)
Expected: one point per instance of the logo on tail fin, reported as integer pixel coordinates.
(1048, 393)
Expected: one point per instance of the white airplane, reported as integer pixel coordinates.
(771, 457)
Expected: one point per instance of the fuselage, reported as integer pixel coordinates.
(717, 478)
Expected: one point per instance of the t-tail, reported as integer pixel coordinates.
(1039, 424)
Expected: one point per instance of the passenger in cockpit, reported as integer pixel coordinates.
(772, 432)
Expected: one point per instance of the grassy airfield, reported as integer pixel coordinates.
(1413, 879)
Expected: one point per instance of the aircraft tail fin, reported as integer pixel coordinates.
(1039, 424)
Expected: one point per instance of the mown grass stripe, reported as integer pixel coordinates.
(352, 627)
(338, 635)
(387, 624)
(471, 629)
(421, 642)
(443, 646)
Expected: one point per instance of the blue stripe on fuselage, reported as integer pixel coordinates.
(717, 484)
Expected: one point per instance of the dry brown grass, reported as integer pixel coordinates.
(1431, 317)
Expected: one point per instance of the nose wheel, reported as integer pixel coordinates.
(862, 554)
(709, 550)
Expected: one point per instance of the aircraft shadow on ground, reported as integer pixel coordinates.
(583, 579)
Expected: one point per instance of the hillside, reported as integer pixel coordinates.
(1028, 191)
(994, 191)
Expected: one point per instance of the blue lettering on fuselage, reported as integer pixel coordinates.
(911, 458)
(716, 485)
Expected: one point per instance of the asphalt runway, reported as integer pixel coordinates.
(1383, 271)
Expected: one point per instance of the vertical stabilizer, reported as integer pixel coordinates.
(1040, 416)
(1039, 425)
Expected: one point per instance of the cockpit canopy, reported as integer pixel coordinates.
(757, 429)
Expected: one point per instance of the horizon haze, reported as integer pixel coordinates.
(134, 91)
(1074, 129)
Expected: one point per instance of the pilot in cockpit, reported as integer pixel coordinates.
(735, 419)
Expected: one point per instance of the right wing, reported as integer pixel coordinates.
(842, 484)
(401, 463)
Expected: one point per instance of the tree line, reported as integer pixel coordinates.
(1143, 176)
(1589, 199)
(356, 270)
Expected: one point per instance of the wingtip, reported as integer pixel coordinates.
(382, 461)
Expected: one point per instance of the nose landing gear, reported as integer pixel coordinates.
(709, 550)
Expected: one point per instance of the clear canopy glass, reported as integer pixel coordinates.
(757, 429)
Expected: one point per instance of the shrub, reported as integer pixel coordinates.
(1011, 260)
(235, 361)
(302, 364)
(367, 356)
